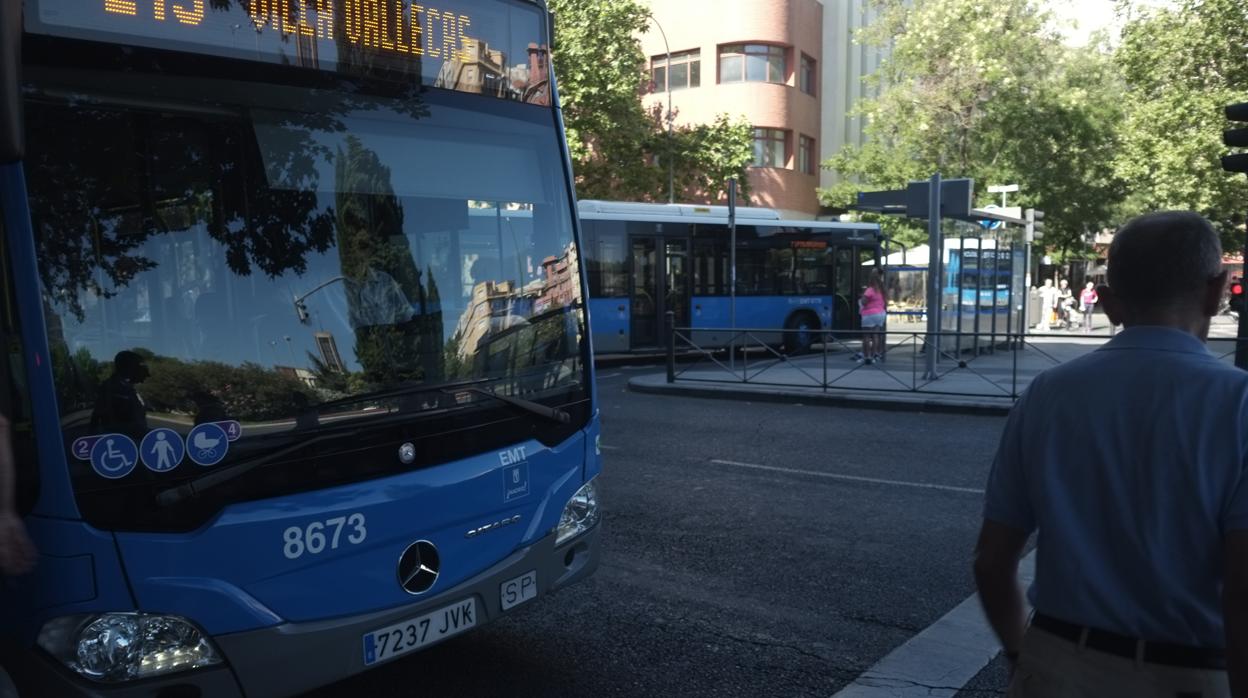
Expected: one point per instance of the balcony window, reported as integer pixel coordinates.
(769, 147)
(685, 71)
(753, 63)
(808, 75)
(806, 155)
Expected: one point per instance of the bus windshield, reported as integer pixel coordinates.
(227, 279)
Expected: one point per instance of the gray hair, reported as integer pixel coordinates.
(1160, 259)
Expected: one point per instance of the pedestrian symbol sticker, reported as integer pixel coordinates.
(114, 456)
(162, 450)
(207, 444)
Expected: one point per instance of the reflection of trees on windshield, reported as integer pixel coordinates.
(397, 320)
(200, 390)
(118, 193)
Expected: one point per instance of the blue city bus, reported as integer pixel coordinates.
(982, 290)
(297, 337)
(794, 278)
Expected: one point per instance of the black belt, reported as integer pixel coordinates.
(1123, 646)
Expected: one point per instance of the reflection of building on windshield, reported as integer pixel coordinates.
(496, 306)
(560, 287)
(480, 69)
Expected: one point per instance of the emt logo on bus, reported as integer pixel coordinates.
(397, 27)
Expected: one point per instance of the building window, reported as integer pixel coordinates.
(807, 75)
(685, 71)
(769, 148)
(753, 63)
(806, 155)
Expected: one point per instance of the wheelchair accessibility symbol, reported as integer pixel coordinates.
(207, 444)
(114, 456)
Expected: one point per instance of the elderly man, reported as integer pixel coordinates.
(1131, 463)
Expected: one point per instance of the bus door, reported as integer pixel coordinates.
(848, 287)
(660, 282)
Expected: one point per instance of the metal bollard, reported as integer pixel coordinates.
(669, 322)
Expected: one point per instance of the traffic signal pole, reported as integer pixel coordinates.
(1241, 337)
(1238, 162)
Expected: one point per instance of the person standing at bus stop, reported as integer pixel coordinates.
(1087, 304)
(1140, 496)
(873, 307)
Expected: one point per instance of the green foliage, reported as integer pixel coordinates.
(248, 392)
(987, 91)
(619, 148)
(1182, 65)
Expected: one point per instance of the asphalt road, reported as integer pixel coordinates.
(730, 579)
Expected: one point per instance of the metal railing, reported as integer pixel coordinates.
(996, 365)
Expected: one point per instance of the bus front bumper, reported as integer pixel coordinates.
(292, 658)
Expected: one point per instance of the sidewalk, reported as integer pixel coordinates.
(986, 383)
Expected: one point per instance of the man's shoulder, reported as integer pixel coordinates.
(1201, 372)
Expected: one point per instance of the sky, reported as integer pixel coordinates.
(1079, 19)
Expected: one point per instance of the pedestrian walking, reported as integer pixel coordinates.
(1140, 496)
(1065, 303)
(1087, 304)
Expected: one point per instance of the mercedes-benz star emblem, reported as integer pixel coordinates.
(407, 453)
(418, 567)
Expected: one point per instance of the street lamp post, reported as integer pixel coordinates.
(667, 80)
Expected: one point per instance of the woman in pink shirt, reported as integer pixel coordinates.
(872, 307)
(1087, 303)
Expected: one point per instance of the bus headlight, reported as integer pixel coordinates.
(112, 647)
(579, 515)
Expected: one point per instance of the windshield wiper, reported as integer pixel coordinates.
(554, 414)
(193, 487)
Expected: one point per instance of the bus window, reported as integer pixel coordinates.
(608, 265)
(14, 395)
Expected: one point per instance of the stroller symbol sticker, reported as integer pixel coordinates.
(114, 456)
(207, 444)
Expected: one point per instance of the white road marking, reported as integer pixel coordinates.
(849, 478)
(608, 448)
(942, 659)
(604, 376)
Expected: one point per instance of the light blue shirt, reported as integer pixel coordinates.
(1130, 462)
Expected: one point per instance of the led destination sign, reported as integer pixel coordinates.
(491, 47)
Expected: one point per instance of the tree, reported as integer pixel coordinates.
(1180, 70)
(987, 91)
(619, 149)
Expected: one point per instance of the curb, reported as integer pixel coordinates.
(877, 401)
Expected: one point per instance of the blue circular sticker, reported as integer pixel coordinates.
(207, 444)
(162, 450)
(114, 456)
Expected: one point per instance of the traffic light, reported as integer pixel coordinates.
(1237, 296)
(1035, 225)
(1236, 138)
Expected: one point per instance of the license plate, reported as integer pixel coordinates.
(519, 590)
(413, 634)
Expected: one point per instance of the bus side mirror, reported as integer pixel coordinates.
(10, 96)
